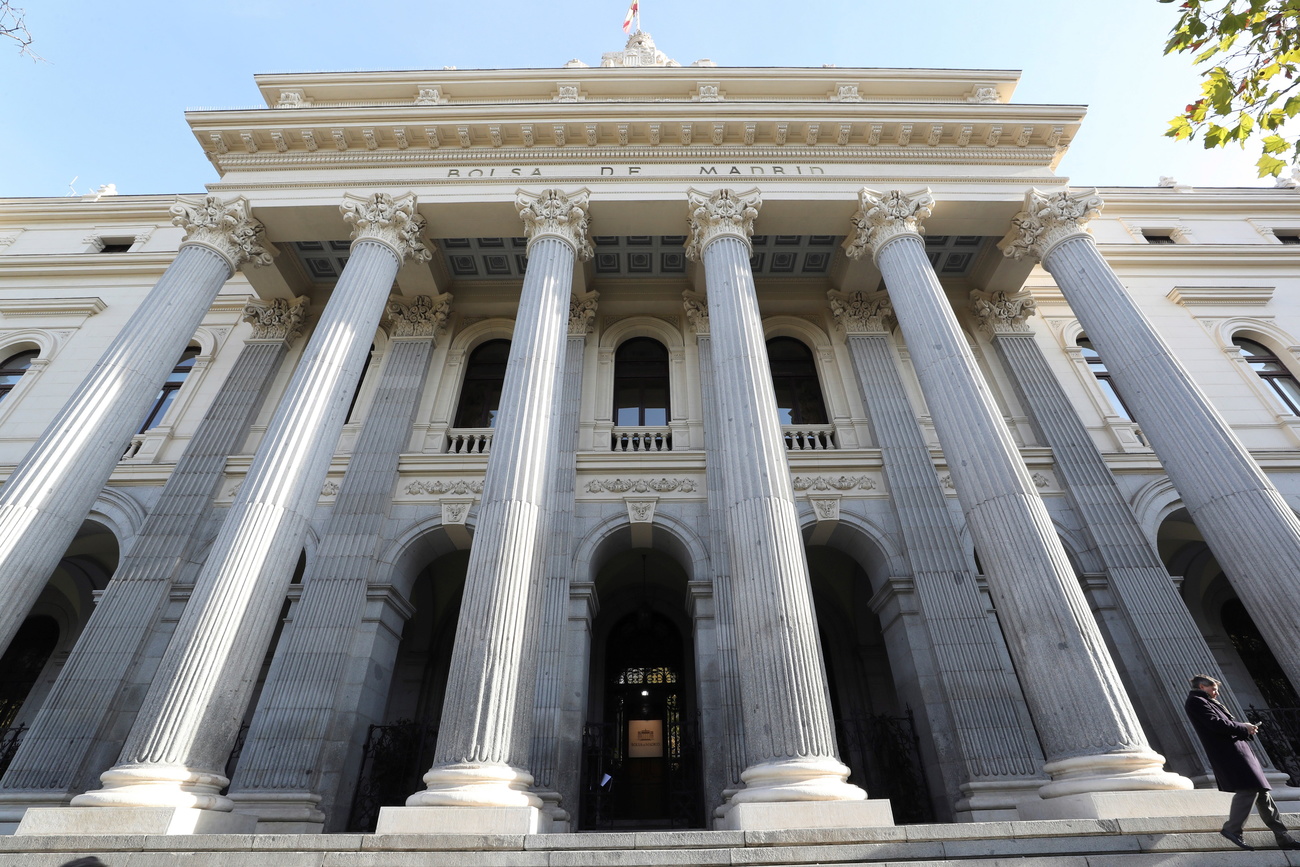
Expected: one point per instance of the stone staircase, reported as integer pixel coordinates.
(1160, 842)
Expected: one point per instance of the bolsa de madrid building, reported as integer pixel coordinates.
(640, 447)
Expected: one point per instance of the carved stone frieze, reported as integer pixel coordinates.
(582, 314)
(422, 317)
(330, 489)
(292, 99)
(455, 511)
(277, 319)
(862, 312)
(461, 487)
(641, 486)
(882, 217)
(556, 214)
(1047, 220)
(998, 314)
(224, 227)
(825, 508)
(837, 483)
(720, 213)
(697, 311)
(641, 511)
(388, 220)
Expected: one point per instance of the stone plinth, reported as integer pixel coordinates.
(462, 820)
(1129, 805)
(133, 820)
(784, 815)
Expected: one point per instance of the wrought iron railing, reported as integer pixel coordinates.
(10, 738)
(469, 441)
(1280, 737)
(643, 439)
(883, 753)
(393, 763)
(809, 437)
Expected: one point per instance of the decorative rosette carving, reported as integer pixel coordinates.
(697, 311)
(277, 319)
(720, 213)
(862, 312)
(1047, 220)
(882, 217)
(226, 228)
(998, 314)
(582, 314)
(422, 317)
(390, 221)
(555, 214)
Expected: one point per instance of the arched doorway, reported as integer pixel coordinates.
(641, 745)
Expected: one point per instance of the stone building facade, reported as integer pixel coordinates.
(640, 446)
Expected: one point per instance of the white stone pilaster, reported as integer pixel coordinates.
(1088, 730)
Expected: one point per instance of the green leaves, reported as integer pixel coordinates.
(1253, 86)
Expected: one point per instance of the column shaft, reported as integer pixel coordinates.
(190, 717)
(55, 485)
(1253, 532)
(74, 717)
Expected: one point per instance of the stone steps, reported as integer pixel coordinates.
(1158, 842)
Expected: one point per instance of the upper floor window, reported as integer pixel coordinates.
(1270, 368)
(13, 369)
(480, 393)
(641, 383)
(794, 377)
(172, 385)
(1104, 381)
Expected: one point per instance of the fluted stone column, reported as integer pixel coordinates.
(556, 755)
(174, 756)
(1252, 531)
(792, 770)
(479, 782)
(53, 488)
(299, 732)
(1088, 730)
(728, 730)
(1168, 641)
(56, 757)
(997, 757)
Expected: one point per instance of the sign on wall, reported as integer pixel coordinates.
(645, 738)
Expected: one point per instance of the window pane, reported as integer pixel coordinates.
(1113, 396)
(656, 416)
(480, 393)
(1289, 389)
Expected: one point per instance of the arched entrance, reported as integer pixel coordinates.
(641, 745)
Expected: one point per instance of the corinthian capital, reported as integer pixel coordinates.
(697, 311)
(226, 228)
(998, 314)
(882, 217)
(718, 214)
(1047, 220)
(421, 317)
(582, 314)
(555, 214)
(392, 222)
(277, 319)
(862, 312)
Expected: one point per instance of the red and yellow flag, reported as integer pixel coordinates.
(632, 12)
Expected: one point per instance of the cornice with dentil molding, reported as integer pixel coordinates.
(721, 213)
(882, 217)
(277, 319)
(392, 221)
(999, 314)
(582, 314)
(422, 316)
(697, 311)
(862, 312)
(555, 214)
(1048, 219)
(226, 228)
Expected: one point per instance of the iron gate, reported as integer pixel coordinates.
(393, 763)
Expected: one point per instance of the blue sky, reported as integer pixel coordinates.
(108, 104)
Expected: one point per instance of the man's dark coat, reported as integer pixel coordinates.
(1226, 743)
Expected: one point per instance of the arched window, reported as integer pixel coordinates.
(794, 376)
(170, 387)
(480, 393)
(641, 384)
(1270, 368)
(13, 369)
(1098, 368)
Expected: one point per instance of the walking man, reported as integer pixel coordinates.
(1236, 769)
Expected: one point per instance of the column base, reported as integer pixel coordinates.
(1128, 771)
(476, 784)
(1129, 805)
(560, 818)
(282, 812)
(994, 801)
(462, 820)
(133, 820)
(785, 815)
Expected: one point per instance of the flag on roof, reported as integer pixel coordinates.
(632, 12)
